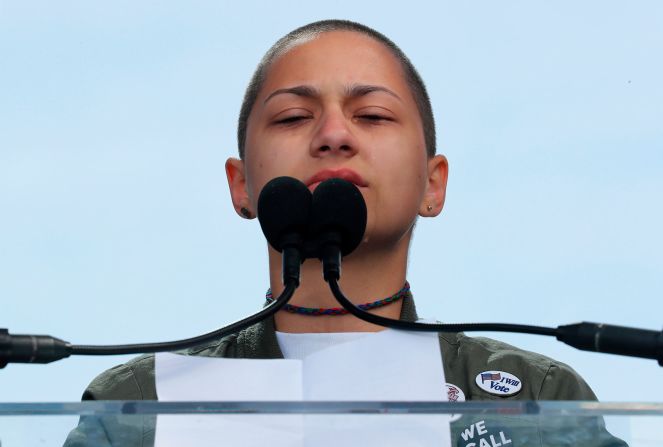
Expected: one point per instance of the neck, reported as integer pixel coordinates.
(367, 275)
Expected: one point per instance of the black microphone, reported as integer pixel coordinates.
(31, 348)
(612, 339)
(338, 222)
(284, 212)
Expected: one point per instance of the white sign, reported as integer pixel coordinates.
(385, 366)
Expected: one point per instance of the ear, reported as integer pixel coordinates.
(237, 184)
(436, 189)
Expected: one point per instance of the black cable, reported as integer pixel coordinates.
(587, 336)
(140, 348)
(434, 327)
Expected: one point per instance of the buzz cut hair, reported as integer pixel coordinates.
(312, 30)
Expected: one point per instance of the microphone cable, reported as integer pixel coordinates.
(46, 349)
(432, 327)
(267, 311)
(587, 336)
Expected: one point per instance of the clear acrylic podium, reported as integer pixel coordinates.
(472, 424)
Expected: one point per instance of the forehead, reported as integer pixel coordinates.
(345, 57)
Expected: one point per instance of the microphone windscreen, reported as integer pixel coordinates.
(338, 206)
(284, 209)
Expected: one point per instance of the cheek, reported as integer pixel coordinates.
(258, 158)
(404, 175)
(263, 163)
(257, 174)
(259, 171)
(394, 203)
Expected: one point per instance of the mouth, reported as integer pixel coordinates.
(345, 174)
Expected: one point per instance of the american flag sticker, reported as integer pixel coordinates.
(490, 376)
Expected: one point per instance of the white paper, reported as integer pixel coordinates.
(385, 366)
(191, 378)
(185, 378)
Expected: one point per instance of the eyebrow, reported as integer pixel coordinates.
(357, 90)
(352, 91)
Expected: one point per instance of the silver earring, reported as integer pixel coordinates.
(429, 208)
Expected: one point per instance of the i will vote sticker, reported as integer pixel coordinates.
(499, 383)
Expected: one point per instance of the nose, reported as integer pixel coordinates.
(333, 136)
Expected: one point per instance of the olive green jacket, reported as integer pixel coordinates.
(463, 357)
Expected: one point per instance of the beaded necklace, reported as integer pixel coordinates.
(313, 311)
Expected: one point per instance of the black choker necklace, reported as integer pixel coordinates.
(313, 311)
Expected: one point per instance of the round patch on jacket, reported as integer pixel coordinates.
(499, 383)
(454, 393)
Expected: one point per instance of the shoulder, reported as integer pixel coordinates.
(129, 381)
(135, 379)
(542, 377)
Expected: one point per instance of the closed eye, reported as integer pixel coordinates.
(374, 114)
(373, 118)
(290, 120)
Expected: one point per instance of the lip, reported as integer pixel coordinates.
(345, 174)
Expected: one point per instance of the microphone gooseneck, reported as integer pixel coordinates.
(433, 327)
(284, 208)
(608, 339)
(46, 349)
(265, 312)
(586, 336)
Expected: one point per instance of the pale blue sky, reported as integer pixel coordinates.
(116, 119)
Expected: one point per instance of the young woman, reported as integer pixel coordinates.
(335, 99)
